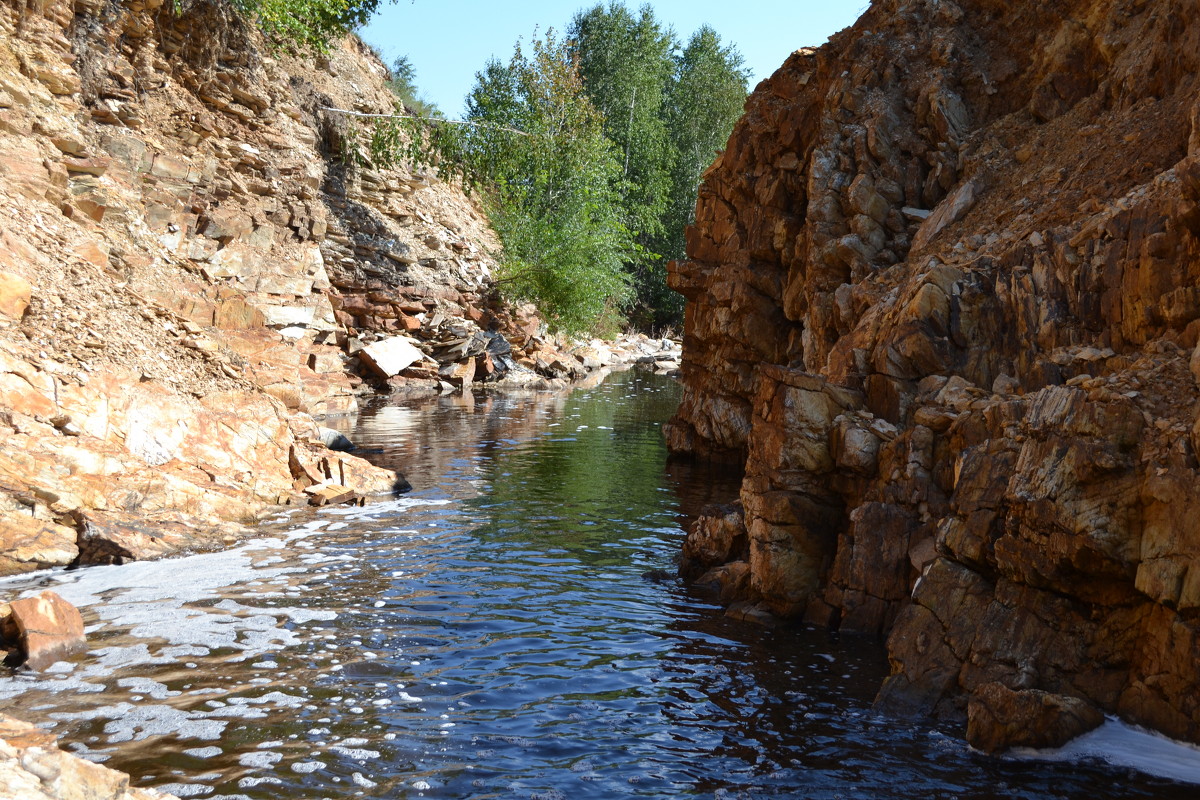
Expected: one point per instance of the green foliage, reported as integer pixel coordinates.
(626, 63)
(704, 100)
(587, 152)
(668, 113)
(534, 145)
(307, 24)
(403, 84)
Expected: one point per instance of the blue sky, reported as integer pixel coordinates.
(448, 41)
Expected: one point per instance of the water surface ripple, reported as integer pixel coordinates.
(511, 629)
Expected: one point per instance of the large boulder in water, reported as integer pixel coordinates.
(47, 629)
(999, 718)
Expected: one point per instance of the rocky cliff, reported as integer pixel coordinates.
(190, 274)
(944, 301)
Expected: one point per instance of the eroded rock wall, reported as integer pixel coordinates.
(186, 267)
(943, 299)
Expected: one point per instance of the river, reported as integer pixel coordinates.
(510, 629)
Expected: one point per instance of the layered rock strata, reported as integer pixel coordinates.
(195, 261)
(943, 302)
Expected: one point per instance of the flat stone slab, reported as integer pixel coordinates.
(391, 356)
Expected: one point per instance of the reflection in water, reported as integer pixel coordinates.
(497, 633)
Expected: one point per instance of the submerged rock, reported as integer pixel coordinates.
(335, 440)
(33, 768)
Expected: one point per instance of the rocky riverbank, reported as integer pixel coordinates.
(33, 768)
(943, 304)
(191, 275)
(197, 265)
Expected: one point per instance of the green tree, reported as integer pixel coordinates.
(403, 84)
(535, 145)
(667, 112)
(705, 98)
(625, 60)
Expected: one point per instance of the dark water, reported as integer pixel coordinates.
(505, 631)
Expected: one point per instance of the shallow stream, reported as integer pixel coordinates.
(510, 629)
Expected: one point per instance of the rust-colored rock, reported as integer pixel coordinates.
(48, 627)
(28, 543)
(999, 718)
(717, 537)
(942, 302)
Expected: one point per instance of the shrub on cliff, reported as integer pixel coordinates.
(535, 146)
(307, 24)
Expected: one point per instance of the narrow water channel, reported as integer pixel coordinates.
(510, 629)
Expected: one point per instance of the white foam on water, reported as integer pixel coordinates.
(185, 789)
(302, 615)
(133, 723)
(203, 752)
(1125, 745)
(384, 507)
(277, 699)
(259, 760)
(360, 780)
(354, 753)
(304, 767)
(146, 686)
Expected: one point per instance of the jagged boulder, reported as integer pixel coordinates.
(45, 628)
(1000, 718)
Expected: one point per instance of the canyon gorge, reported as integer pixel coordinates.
(943, 309)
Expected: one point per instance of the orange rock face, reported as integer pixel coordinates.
(943, 301)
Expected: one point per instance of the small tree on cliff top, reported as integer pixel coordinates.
(306, 24)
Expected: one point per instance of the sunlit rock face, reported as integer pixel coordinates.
(943, 301)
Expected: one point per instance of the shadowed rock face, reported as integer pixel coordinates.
(943, 295)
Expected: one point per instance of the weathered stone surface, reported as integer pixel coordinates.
(999, 718)
(950, 210)
(28, 543)
(115, 538)
(949, 324)
(717, 537)
(33, 768)
(50, 629)
(391, 356)
(15, 293)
